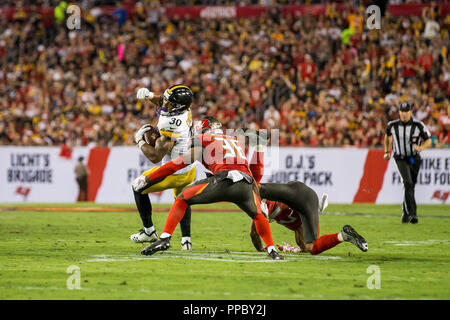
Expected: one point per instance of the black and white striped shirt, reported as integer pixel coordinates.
(405, 135)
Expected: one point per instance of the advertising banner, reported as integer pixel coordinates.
(36, 174)
(347, 175)
(336, 172)
(433, 182)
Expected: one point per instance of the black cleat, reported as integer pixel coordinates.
(162, 244)
(414, 219)
(405, 217)
(275, 255)
(350, 235)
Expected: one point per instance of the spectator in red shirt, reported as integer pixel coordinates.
(308, 69)
(408, 65)
(426, 62)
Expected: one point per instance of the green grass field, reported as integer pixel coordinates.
(37, 248)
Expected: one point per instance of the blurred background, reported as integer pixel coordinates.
(309, 68)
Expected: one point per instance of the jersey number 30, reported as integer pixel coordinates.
(175, 121)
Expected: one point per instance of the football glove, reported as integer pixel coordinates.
(144, 93)
(287, 247)
(139, 135)
(140, 183)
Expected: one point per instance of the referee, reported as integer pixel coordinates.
(409, 137)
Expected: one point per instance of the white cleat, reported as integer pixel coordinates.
(323, 203)
(186, 246)
(142, 237)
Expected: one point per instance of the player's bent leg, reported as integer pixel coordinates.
(144, 206)
(252, 206)
(185, 223)
(148, 232)
(263, 229)
(177, 182)
(210, 190)
(324, 243)
(185, 226)
(175, 215)
(329, 241)
(294, 193)
(182, 202)
(300, 198)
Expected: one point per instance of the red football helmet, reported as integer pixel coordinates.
(208, 125)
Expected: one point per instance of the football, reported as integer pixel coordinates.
(151, 136)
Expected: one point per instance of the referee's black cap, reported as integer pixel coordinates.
(404, 106)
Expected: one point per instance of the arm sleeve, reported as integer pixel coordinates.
(388, 129)
(257, 166)
(167, 169)
(424, 132)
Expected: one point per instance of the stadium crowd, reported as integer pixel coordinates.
(322, 81)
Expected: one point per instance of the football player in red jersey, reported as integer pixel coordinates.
(296, 206)
(232, 181)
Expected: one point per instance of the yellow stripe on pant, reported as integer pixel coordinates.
(176, 182)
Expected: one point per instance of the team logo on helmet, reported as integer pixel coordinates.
(208, 124)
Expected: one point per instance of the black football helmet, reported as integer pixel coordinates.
(180, 96)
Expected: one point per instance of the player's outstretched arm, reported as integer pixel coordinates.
(256, 240)
(145, 94)
(177, 164)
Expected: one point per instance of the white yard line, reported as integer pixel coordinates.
(246, 257)
(416, 243)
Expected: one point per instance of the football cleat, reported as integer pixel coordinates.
(162, 244)
(323, 203)
(350, 235)
(274, 255)
(186, 246)
(142, 236)
(414, 219)
(405, 216)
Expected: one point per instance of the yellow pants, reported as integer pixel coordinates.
(176, 182)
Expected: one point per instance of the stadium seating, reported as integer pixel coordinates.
(322, 80)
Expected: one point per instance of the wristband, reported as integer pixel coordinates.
(141, 143)
(151, 95)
